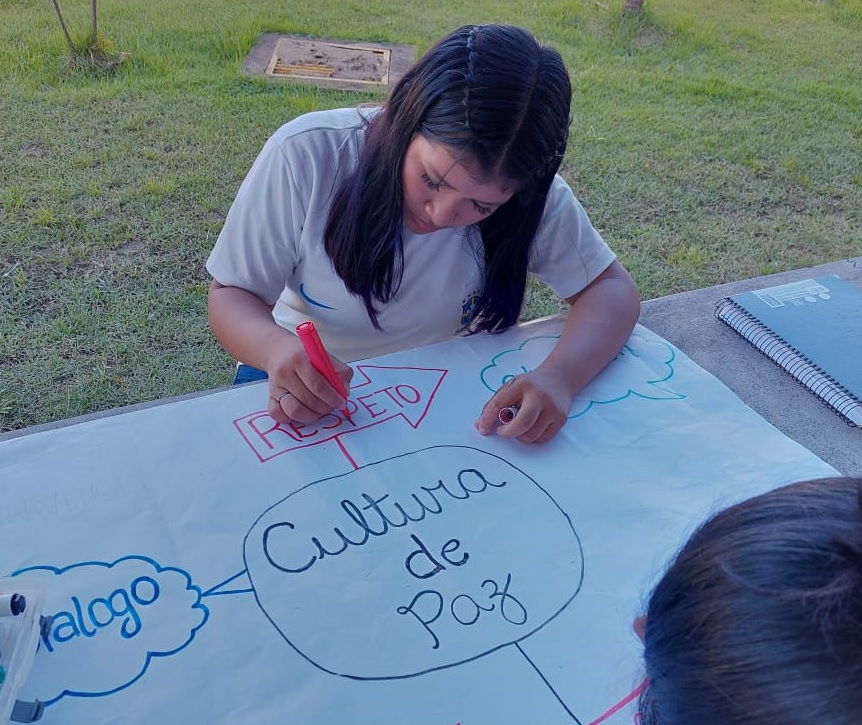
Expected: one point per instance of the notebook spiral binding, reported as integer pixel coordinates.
(788, 358)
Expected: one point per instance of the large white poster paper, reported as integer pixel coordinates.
(386, 565)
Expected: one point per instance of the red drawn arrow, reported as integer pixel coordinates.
(386, 393)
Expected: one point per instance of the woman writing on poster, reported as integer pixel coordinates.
(400, 226)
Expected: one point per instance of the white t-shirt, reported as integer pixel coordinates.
(272, 245)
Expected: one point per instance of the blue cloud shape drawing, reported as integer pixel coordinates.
(114, 616)
(641, 369)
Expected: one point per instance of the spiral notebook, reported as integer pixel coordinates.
(813, 330)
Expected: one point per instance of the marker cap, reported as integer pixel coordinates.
(507, 414)
(12, 604)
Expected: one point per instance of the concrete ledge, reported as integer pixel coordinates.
(687, 320)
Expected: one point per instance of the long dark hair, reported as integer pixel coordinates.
(758, 621)
(495, 97)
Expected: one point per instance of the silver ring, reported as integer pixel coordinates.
(282, 396)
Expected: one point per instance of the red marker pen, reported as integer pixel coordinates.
(319, 357)
(507, 414)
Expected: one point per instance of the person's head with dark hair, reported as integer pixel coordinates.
(758, 620)
(489, 104)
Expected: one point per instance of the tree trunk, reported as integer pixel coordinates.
(65, 29)
(95, 27)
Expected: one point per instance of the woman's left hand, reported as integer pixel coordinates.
(600, 320)
(542, 402)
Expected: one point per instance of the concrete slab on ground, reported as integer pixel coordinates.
(329, 63)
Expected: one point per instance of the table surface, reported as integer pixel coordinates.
(172, 507)
(687, 320)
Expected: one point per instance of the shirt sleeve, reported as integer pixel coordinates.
(256, 249)
(568, 252)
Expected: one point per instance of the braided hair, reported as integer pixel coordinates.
(495, 98)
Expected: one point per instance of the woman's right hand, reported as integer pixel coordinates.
(243, 324)
(297, 391)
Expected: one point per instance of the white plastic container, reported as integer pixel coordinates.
(19, 638)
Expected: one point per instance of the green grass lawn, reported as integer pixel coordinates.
(710, 142)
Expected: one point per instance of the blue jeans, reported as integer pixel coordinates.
(248, 374)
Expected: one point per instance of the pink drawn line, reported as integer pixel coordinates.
(349, 458)
(622, 703)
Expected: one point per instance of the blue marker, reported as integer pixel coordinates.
(12, 604)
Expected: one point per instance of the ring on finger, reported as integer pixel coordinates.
(282, 396)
